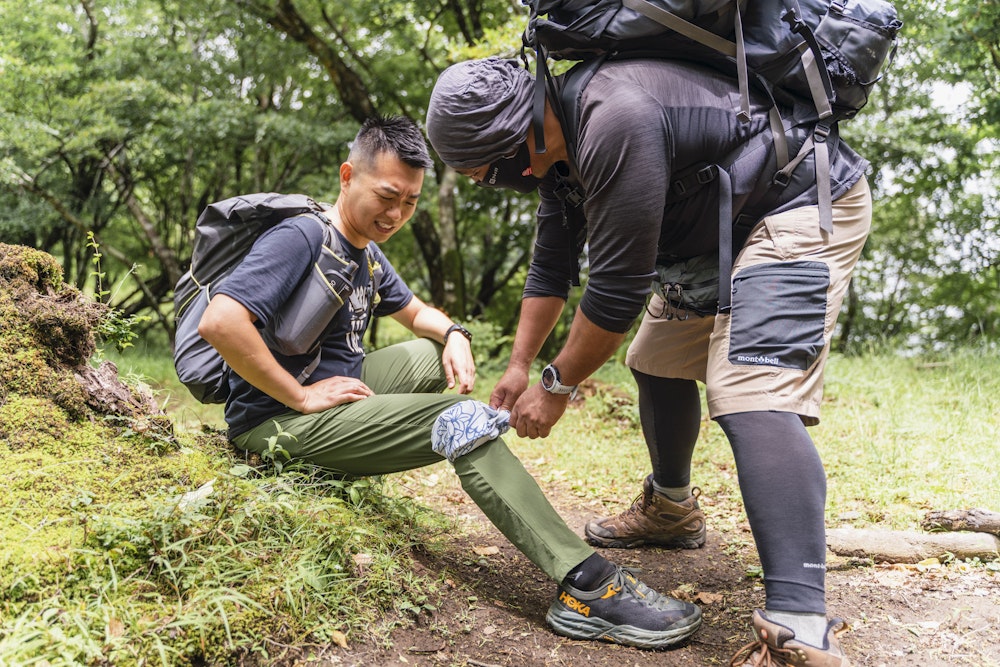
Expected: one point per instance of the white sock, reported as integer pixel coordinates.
(675, 493)
(808, 628)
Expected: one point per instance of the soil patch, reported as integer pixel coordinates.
(491, 611)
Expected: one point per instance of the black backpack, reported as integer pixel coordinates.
(225, 232)
(776, 46)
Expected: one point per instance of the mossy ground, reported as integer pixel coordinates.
(122, 542)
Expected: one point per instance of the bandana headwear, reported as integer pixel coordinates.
(479, 111)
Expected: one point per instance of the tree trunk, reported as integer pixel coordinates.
(353, 93)
(910, 546)
(451, 258)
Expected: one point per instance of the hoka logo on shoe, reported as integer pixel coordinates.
(574, 604)
(612, 591)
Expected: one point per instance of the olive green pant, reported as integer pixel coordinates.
(391, 432)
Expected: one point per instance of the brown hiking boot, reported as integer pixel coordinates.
(652, 519)
(776, 647)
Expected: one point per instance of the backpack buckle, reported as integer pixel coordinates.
(820, 133)
(781, 179)
(706, 175)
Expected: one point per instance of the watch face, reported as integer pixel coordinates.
(548, 377)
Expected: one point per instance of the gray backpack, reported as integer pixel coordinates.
(225, 232)
(824, 55)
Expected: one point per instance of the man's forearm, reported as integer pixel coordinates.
(539, 315)
(586, 350)
(228, 326)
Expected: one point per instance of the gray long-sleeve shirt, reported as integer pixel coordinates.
(641, 124)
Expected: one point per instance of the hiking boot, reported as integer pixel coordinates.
(776, 647)
(652, 519)
(623, 610)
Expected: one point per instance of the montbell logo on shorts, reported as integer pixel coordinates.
(757, 359)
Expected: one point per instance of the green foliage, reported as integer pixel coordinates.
(125, 121)
(114, 327)
(927, 278)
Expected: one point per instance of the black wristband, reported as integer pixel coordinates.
(460, 329)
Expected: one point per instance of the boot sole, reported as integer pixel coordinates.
(619, 543)
(579, 627)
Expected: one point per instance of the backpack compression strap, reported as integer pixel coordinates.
(709, 39)
(817, 76)
(538, 101)
(817, 144)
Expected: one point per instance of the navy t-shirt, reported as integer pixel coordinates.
(278, 262)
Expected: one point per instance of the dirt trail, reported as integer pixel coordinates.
(493, 612)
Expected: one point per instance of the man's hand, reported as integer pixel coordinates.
(459, 365)
(332, 392)
(509, 389)
(536, 411)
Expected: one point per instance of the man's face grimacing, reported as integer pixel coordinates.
(378, 199)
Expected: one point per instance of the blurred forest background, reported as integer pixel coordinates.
(121, 119)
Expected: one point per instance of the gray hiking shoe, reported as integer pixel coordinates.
(652, 519)
(776, 646)
(623, 610)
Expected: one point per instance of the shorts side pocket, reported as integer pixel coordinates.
(778, 314)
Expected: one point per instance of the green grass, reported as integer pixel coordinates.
(106, 554)
(901, 436)
(898, 436)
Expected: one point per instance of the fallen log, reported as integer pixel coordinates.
(978, 520)
(902, 546)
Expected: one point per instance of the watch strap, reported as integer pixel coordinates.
(556, 387)
(460, 329)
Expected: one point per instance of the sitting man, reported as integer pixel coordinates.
(382, 413)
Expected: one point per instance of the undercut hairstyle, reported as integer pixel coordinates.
(396, 135)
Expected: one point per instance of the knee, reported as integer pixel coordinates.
(466, 426)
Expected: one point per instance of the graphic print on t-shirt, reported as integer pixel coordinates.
(359, 317)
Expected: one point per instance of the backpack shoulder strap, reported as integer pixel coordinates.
(566, 91)
(332, 240)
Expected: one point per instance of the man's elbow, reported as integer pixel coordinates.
(212, 323)
(208, 328)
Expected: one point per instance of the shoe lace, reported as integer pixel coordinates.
(625, 578)
(637, 510)
(760, 654)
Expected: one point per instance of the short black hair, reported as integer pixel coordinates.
(396, 135)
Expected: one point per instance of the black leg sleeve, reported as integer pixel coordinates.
(784, 490)
(670, 413)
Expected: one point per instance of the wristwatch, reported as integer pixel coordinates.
(551, 383)
(460, 329)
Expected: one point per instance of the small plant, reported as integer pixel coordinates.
(276, 455)
(115, 327)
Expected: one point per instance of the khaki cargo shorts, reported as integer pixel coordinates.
(769, 352)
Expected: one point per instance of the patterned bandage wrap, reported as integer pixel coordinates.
(465, 426)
